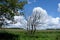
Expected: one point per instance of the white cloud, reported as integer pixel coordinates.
(49, 21)
(29, 2)
(20, 22)
(58, 7)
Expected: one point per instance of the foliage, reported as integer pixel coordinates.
(39, 35)
(7, 36)
(11, 6)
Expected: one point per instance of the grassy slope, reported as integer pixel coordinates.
(39, 35)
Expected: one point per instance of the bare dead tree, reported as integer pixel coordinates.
(33, 21)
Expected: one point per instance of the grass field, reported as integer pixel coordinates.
(17, 34)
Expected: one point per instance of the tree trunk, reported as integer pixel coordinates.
(34, 29)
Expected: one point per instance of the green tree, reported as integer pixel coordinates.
(9, 8)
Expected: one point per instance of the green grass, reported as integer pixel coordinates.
(39, 35)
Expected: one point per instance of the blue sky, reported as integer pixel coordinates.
(50, 6)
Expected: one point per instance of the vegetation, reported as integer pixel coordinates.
(7, 36)
(39, 35)
(33, 21)
(10, 7)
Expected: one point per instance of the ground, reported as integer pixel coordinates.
(18, 34)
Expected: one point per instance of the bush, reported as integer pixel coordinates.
(7, 36)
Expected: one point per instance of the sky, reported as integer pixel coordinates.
(51, 6)
(46, 20)
(48, 10)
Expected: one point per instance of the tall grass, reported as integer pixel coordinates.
(23, 35)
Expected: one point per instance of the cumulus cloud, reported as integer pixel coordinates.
(58, 7)
(20, 22)
(45, 20)
(48, 21)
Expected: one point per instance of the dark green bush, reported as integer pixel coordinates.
(7, 36)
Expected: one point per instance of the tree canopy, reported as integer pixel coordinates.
(10, 7)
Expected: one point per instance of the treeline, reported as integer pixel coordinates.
(52, 29)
